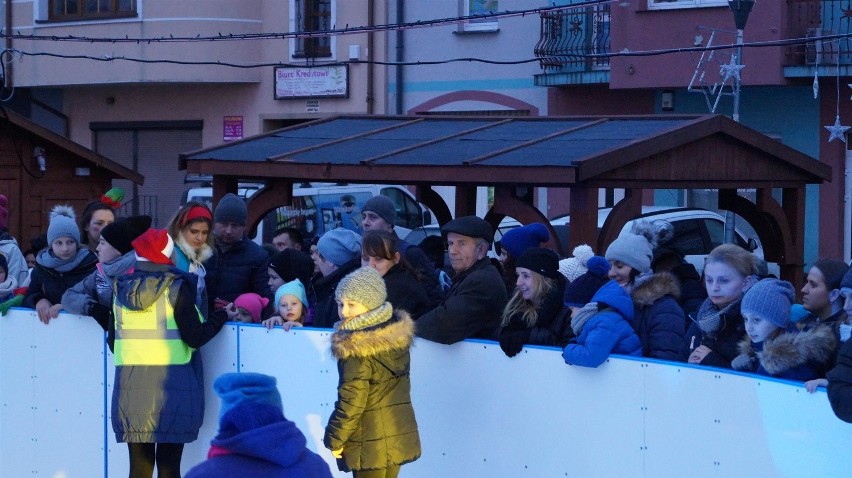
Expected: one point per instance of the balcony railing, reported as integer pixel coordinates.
(569, 37)
(819, 18)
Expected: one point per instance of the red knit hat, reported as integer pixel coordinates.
(154, 245)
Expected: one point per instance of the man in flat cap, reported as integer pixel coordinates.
(474, 303)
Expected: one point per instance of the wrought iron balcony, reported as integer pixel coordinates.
(569, 37)
(819, 18)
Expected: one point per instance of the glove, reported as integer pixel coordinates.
(101, 314)
(512, 341)
(743, 362)
(13, 302)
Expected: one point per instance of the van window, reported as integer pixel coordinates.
(688, 239)
(408, 213)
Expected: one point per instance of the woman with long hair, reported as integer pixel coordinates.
(191, 229)
(380, 250)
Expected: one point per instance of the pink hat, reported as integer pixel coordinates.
(253, 303)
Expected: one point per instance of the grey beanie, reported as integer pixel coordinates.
(365, 286)
(231, 208)
(770, 299)
(339, 246)
(633, 250)
(383, 206)
(62, 224)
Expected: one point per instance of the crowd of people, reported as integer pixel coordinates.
(160, 294)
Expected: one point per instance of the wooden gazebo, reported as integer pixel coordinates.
(580, 153)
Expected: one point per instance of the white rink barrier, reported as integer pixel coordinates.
(480, 413)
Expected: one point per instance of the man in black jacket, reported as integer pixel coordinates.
(477, 297)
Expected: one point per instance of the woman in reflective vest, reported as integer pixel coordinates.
(158, 397)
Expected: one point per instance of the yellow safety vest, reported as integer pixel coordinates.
(150, 336)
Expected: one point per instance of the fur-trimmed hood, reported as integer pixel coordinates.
(654, 287)
(395, 334)
(194, 257)
(791, 349)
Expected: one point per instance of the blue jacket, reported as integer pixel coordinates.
(607, 332)
(255, 440)
(236, 270)
(658, 318)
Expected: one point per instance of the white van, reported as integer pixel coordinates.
(319, 207)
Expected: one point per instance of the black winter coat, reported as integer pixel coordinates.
(428, 275)
(657, 316)
(472, 308)
(405, 292)
(724, 343)
(840, 384)
(545, 331)
(325, 313)
(692, 291)
(47, 283)
(373, 419)
(237, 270)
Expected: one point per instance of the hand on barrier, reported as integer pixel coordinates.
(512, 341)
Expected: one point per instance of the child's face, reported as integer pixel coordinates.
(724, 283)
(275, 281)
(64, 248)
(106, 252)
(290, 308)
(758, 328)
(244, 316)
(30, 260)
(347, 309)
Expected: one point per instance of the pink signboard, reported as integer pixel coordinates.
(232, 128)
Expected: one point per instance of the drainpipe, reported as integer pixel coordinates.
(371, 21)
(847, 208)
(7, 81)
(400, 46)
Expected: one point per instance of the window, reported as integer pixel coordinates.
(313, 16)
(662, 4)
(688, 238)
(76, 10)
(479, 7)
(408, 213)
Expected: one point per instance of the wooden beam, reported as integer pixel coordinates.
(623, 211)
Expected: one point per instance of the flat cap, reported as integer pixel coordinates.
(470, 226)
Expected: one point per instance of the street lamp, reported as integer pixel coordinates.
(741, 9)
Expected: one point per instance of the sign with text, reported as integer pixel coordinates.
(312, 82)
(232, 128)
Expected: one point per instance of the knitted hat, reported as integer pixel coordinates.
(633, 250)
(253, 303)
(237, 389)
(770, 299)
(581, 290)
(364, 286)
(798, 312)
(574, 267)
(516, 241)
(123, 231)
(541, 260)
(383, 206)
(4, 211)
(196, 212)
(339, 246)
(294, 288)
(470, 226)
(62, 224)
(113, 197)
(154, 245)
(291, 264)
(231, 208)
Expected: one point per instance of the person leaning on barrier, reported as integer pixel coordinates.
(475, 302)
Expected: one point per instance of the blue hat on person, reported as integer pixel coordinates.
(770, 299)
(237, 389)
(62, 224)
(339, 246)
(519, 239)
(231, 208)
(581, 290)
(294, 288)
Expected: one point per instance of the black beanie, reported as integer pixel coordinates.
(541, 260)
(292, 264)
(123, 231)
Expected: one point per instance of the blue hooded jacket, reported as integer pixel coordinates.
(607, 332)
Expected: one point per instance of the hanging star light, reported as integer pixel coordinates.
(731, 70)
(837, 130)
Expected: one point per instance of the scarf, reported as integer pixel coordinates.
(379, 315)
(710, 318)
(580, 319)
(50, 261)
(195, 257)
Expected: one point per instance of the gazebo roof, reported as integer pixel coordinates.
(656, 151)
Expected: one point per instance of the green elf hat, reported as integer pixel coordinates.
(113, 197)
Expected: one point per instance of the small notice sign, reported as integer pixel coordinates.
(232, 128)
(312, 106)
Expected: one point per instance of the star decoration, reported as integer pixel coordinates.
(730, 70)
(837, 130)
(576, 26)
